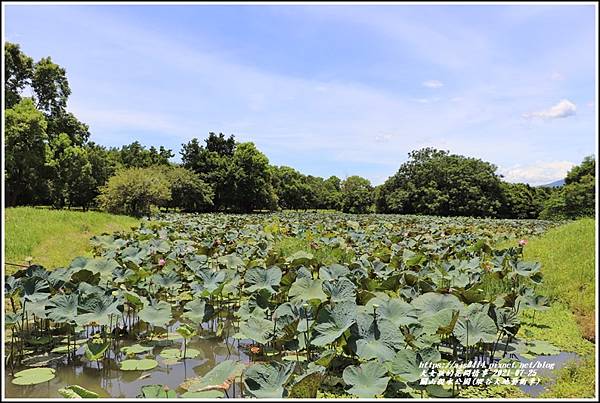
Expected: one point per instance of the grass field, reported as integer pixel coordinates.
(54, 237)
(567, 255)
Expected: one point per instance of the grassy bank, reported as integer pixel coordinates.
(567, 255)
(54, 237)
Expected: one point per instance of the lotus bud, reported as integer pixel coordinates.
(161, 262)
(523, 242)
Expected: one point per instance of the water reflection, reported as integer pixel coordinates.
(109, 381)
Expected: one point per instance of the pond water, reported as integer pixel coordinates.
(559, 361)
(108, 380)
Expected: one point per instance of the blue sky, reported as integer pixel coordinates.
(332, 90)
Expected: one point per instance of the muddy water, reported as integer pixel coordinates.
(109, 381)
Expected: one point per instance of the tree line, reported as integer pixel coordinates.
(50, 160)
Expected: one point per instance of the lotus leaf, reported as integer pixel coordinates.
(476, 328)
(267, 380)
(367, 380)
(333, 322)
(259, 278)
(157, 392)
(77, 392)
(138, 365)
(33, 376)
(305, 289)
(157, 314)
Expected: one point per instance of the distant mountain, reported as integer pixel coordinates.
(554, 184)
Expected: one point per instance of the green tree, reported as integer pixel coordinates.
(188, 191)
(357, 195)
(134, 191)
(211, 162)
(135, 155)
(67, 123)
(18, 69)
(248, 181)
(435, 182)
(290, 187)
(577, 198)
(71, 180)
(26, 149)
(51, 86)
(520, 200)
(333, 193)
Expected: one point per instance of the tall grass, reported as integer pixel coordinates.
(54, 237)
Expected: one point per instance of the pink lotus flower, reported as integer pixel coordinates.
(161, 262)
(523, 242)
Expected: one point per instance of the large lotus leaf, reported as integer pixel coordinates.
(333, 322)
(59, 277)
(99, 310)
(267, 380)
(169, 280)
(136, 349)
(305, 289)
(300, 258)
(527, 269)
(158, 314)
(290, 312)
(258, 329)
(157, 392)
(333, 272)
(405, 365)
(211, 280)
(33, 376)
(138, 365)
(474, 329)
(231, 261)
(442, 322)
(39, 308)
(397, 311)
(77, 392)
(196, 262)
(259, 278)
(374, 339)
(432, 302)
(135, 299)
(340, 290)
(218, 378)
(63, 308)
(95, 348)
(134, 254)
(35, 289)
(367, 380)
(198, 311)
(101, 265)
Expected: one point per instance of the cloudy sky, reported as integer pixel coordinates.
(332, 90)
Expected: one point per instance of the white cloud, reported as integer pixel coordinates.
(383, 138)
(538, 174)
(563, 109)
(432, 84)
(556, 76)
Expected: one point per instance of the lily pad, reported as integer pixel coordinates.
(138, 365)
(33, 376)
(367, 380)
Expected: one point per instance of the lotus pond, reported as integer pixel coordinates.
(273, 305)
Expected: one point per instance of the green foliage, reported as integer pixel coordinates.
(135, 155)
(188, 192)
(18, 69)
(577, 198)
(357, 195)
(26, 151)
(520, 200)
(51, 86)
(134, 191)
(435, 182)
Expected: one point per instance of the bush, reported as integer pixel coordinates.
(134, 191)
